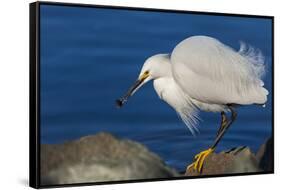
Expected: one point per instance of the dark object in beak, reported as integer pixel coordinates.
(121, 101)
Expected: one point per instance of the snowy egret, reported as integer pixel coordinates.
(202, 73)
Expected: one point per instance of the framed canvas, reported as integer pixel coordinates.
(120, 94)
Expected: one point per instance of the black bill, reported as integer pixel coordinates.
(122, 100)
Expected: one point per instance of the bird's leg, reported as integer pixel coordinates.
(225, 124)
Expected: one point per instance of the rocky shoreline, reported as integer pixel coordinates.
(100, 157)
(237, 160)
(103, 157)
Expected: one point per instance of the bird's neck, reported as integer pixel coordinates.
(165, 69)
(169, 91)
(166, 86)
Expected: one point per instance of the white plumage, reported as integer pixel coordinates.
(203, 73)
(219, 75)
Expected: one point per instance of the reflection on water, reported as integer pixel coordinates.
(89, 57)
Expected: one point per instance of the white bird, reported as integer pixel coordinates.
(202, 73)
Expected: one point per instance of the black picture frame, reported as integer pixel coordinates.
(34, 93)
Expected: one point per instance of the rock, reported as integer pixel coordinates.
(100, 157)
(237, 160)
(265, 156)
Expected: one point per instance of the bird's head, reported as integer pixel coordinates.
(154, 67)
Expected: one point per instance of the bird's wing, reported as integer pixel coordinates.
(212, 72)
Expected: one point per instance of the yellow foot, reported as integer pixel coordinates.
(199, 160)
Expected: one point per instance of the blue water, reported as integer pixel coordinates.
(89, 57)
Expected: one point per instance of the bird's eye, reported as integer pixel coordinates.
(146, 72)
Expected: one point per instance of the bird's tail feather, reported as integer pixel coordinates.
(255, 58)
